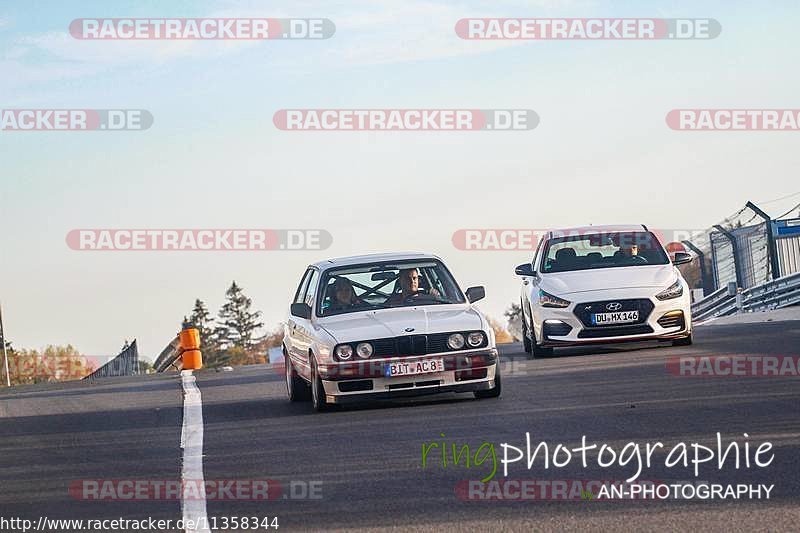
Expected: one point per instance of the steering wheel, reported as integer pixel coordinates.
(424, 296)
(639, 259)
(412, 297)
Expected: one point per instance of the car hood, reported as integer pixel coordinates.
(655, 276)
(381, 323)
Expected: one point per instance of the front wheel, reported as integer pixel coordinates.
(537, 352)
(495, 391)
(317, 390)
(541, 351)
(529, 341)
(684, 341)
(526, 339)
(296, 387)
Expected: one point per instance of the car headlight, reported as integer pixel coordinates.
(344, 352)
(673, 291)
(455, 341)
(475, 338)
(364, 350)
(549, 300)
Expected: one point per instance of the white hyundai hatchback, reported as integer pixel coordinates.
(386, 326)
(601, 284)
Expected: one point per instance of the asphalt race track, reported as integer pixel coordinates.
(365, 462)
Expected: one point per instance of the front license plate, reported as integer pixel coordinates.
(410, 368)
(620, 317)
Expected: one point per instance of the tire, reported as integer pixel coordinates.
(684, 341)
(296, 387)
(495, 391)
(533, 350)
(526, 340)
(317, 390)
(538, 352)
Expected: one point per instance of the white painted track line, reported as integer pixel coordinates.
(193, 502)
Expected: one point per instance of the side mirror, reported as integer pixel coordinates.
(525, 269)
(301, 310)
(681, 258)
(476, 293)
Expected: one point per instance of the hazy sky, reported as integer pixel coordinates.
(602, 152)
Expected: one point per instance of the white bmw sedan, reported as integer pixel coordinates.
(386, 326)
(601, 284)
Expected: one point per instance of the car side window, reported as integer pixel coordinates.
(299, 296)
(536, 253)
(312, 288)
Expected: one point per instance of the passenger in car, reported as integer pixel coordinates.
(344, 295)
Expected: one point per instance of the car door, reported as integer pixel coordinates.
(530, 285)
(291, 322)
(303, 330)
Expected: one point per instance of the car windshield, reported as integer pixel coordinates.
(380, 286)
(603, 250)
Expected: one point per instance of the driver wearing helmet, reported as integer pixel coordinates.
(343, 295)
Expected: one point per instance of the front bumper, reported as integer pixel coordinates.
(340, 398)
(657, 325)
(467, 371)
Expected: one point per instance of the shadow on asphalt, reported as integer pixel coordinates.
(282, 407)
(93, 421)
(88, 387)
(584, 351)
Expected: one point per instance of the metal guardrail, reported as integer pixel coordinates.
(168, 356)
(719, 303)
(182, 352)
(774, 294)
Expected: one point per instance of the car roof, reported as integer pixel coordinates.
(609, 228)
(372, 258)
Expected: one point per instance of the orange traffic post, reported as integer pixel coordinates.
(189, 345)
